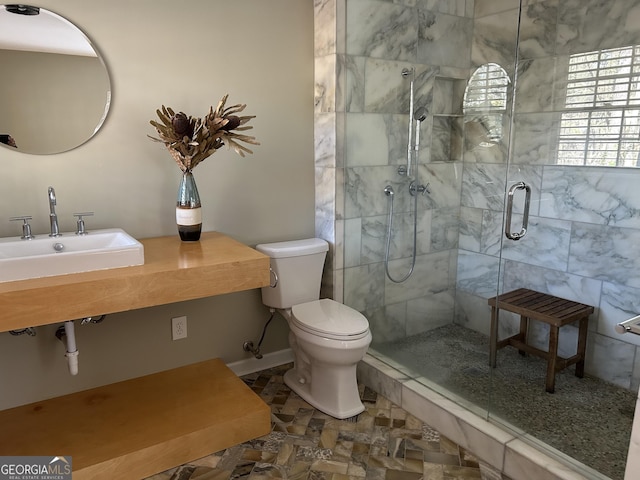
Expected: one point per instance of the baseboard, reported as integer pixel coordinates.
(268, 360)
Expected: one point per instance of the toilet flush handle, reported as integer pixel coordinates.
(275, 278)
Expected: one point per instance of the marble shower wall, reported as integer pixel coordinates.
(362, 109)
(329, 139)
(584, 225)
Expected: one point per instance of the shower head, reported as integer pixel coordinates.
(420, 115)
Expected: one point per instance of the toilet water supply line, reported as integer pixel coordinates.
(248, 346)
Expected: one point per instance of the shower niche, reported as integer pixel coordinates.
(447, 131)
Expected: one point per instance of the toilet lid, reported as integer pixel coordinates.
(330, 318)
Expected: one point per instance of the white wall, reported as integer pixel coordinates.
(185, 55)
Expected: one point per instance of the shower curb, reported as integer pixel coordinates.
(509, 451)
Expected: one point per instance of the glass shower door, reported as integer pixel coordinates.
(575, 144)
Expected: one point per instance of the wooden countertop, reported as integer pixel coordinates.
(174, 271)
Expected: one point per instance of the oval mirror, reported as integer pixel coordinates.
(54, 87)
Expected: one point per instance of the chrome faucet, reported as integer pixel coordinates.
(53, 218)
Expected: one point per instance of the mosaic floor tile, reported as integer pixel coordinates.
(383, 443)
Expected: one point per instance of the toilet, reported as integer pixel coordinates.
(327, 338)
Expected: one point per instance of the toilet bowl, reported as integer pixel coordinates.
(327, 338)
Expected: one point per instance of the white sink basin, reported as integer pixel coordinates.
(44, 256)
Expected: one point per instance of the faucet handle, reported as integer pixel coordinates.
(80, 230)
(26, 228)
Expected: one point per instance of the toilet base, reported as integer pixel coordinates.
(296, 383)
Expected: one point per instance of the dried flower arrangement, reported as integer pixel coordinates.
(190, 140)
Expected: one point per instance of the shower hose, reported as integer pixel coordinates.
(388, 190)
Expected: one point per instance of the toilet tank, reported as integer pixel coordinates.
(298, 266)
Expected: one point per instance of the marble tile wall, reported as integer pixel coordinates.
(381, 39)
(329, 105)
(584, 224)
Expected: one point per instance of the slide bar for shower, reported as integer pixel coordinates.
(405, 73)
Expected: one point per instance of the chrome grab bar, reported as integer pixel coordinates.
(629, 326)
(525, 217)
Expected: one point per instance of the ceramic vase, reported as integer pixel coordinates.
(188, 209)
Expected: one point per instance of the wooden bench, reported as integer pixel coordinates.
(554, 311)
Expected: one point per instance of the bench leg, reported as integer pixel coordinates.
(493, 340)
(553, 357)
(582, 346)
(524, 324)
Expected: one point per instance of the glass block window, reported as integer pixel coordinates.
(601, 123)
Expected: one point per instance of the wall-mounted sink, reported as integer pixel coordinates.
(45, 256)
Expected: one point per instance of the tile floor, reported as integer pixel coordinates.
(384, 442)
(587, 419)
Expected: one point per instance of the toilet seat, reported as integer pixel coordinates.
(330, 319)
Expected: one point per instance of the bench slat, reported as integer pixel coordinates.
(541, 306)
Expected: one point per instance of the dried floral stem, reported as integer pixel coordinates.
(190, 140)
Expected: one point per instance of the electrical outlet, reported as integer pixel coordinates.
(178, 328)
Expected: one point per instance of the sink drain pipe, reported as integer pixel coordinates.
(69, 332)
(72, 350)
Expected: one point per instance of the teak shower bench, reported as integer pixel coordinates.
(554, 311)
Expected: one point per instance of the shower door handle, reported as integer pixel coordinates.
(525, 217)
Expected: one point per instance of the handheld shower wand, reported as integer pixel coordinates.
(420, 116)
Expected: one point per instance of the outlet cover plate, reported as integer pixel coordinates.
(179, 328)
